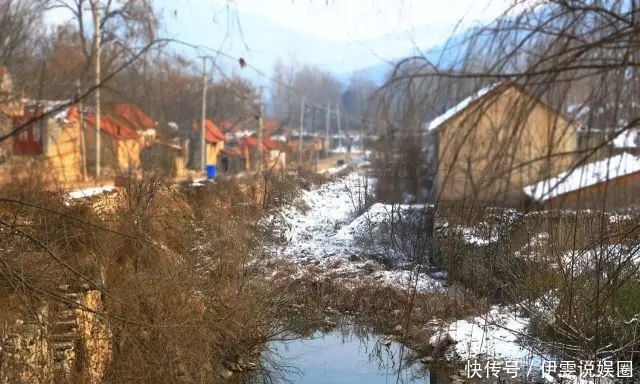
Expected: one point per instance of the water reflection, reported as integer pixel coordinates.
(340, 358)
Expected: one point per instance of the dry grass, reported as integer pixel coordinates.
(172, 263)
(382, 308)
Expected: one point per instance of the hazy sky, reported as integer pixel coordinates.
(338, 35)
(346, 20)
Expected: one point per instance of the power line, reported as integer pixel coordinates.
(244, 63)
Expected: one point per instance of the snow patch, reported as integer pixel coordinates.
(492, 336)
(321, 230)
(627, 139)
(585, 176)
(91, 191)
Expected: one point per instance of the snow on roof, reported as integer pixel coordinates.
(50, 105)
(627, 139)
(281, 138)
(438, 121)
(584, 176)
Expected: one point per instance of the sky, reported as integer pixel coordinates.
(341, 36)
(348, 20)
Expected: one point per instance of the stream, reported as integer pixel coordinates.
(341, 357)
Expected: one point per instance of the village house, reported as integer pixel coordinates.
(45, 147)
(9, 107)
(168, 153)
(272, 156)
(241, 152)
(120, 145)
(214, 144)
(137, 119)
(604, 185)
(48, 144)
(493, 143)
(165, 157)
(313, 146)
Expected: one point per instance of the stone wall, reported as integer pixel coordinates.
(65, 340)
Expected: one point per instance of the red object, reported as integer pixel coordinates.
(252, 141)
(269, 144)
(134, 115)
(119, 128)
(73, 114)
(212, 133)
(29, 140)
(271, 124)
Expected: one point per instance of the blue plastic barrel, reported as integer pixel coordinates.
(212, 172)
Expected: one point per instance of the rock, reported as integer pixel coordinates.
(426, 359)
(225, 373)
(250, 365)
(232, 366)
(331, 311)
(387, 342)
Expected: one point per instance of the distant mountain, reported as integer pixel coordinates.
(261, 42)
(445, 54)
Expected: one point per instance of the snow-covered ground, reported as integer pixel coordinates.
(321, 234)
(88, 192)
(335, 170)
(493, 335)
(323, 231)
(500, 336)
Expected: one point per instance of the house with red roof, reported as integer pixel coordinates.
(47, 143)
(138, 120)
(241, 153)
(135, 116)
(120, 144)
(214, 143)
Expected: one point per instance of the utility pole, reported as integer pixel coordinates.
(203, 143)
(260, 128)
(83, 145)
(301, 131)
(96, 44)
(327, 139)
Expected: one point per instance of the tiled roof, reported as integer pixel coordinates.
(212, 132)
(134, 115)
(114, 126)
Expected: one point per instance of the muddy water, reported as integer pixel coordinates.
(343, 358)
